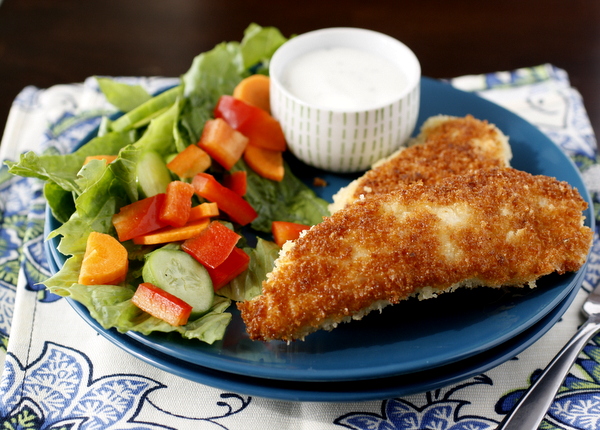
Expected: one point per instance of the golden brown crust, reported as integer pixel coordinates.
(445, 146)
(491, 228)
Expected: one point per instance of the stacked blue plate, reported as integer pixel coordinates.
(411, 347)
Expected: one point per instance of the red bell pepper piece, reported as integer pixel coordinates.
(161, 304)
(238, 209)
(235, 264)
(237, 182)
(258, 126)
(224, 144)
(178, 203)
(213, 245)
(234, 111)
(139, 218)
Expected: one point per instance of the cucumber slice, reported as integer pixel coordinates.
(152, 174)
(180, 274)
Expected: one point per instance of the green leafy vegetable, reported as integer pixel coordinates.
(146, 112)
(63, 170)
(249, 284)
(259, 45)
(288, 200)
(123, 96)
(212, 74)
(60, 201)
(159, 136)
(64, 174)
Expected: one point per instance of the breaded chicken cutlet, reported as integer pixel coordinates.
(492, 228)
(445, 146)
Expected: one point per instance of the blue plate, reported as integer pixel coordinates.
(336, 391)
(412, 336)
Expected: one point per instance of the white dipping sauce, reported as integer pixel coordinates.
(343, 79)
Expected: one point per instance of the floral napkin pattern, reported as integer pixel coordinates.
(58, 373)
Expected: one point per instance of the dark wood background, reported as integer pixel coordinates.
(49, 42)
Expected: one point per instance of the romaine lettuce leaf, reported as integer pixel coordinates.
(101, 200)
(124, 169)
(288, 200)
(146, 112)
(211, 75)
(63, 169)
(102, 192)
(249, 284)
(259, 44)
(59, 200)
(123, 96)
(159, 135)
(64, 175)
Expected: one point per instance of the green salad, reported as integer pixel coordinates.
(84, 199)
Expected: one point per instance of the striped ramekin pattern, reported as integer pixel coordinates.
(345, 141)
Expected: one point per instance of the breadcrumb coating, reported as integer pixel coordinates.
(445, 146)
(492, 228)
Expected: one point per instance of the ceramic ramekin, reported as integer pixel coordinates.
(341, 140)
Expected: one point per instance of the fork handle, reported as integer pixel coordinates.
(530, 411)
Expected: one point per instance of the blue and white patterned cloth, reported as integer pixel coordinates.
(57, 372)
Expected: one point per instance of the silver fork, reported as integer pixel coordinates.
(530, 411)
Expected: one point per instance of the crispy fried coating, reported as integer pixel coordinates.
(493, 227)
(445, 146)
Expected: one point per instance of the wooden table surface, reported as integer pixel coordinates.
(49, 42)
